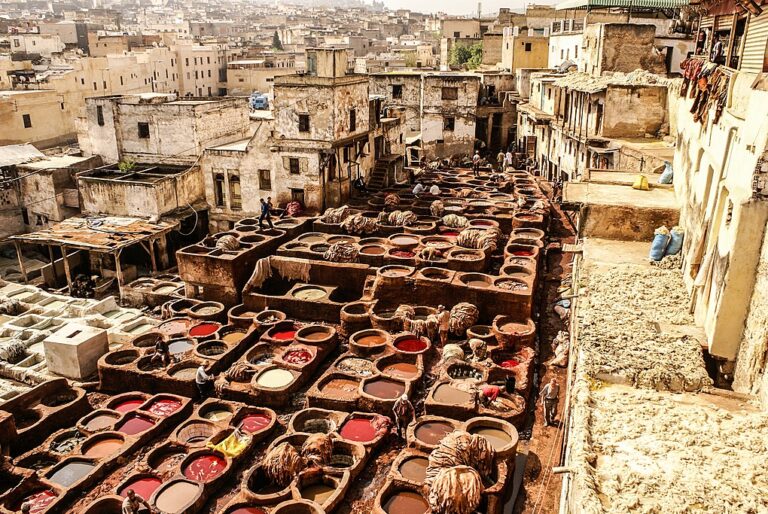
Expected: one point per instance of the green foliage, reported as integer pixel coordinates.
(410, 60)
(276, 43)
(469, 57)
(126, 165)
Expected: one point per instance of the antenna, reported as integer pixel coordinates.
(479, 10)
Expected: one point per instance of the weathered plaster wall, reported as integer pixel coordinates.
(410, 99)
(634, 111)
(621, 47)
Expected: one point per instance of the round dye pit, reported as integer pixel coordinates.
(177, 497)
(164, 407)
(174, 327)
(432, 432)
(414, 468)
(449, 233)
(372, 250)
(203, 329)
(169, 461)
(411, 344)
(318, 493)
(180, 346)
(217, 415)
(103, 447)
(185, 373)
(522, 253)
(406, 502)
(143, 487)
(404, 370)
(312, 238)
(497, 438)
(316, 335)
(135, 425)
(205, 468)
(509, 363)
(403, 254)
(512, 285)
(358, 429)
(384, 389)
(297, 357)
(71, 472)
(356, 365)
(248, 510)
(66, 442)
(310, 293)
(100, 422)
(129, 405)
(341, 388)
(233, 337)
(446, 393)
(404, 240)
(283, 335)
(253, 423)
(515, 328)
(39, 501)
(371, 340)
(275, 378)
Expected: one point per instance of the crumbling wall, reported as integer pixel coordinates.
(409, 98)
(623, 47)
(635, 111)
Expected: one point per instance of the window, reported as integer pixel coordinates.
(297, 195)
(94, 86)
(575, 51)
(121, 80)
(303, 122)
(235, 198)
(457, 34)
(100, 115)
(293, 165)
(265, 180)
(143, 130)
(397, 91)
(186, 61)
(765, 58)
(562, 53)
(27, 120)
(218, 189)
(527, 47)
(209, 60)
(449, 122)
(450, 93)
(209, 73)
(16, 43)
(352, 120)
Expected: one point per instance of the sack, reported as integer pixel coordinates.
(659, 243)
(675, 241)
(667, 175)
(641, 183)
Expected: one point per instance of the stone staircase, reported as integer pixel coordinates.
(378, 177)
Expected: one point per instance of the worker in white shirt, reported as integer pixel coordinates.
(203, 381)
(434, 190)
(418, 189)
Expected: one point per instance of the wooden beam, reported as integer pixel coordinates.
(152, 255)
(20, 258)
(67, 271)
(119, 273)
(53, 264)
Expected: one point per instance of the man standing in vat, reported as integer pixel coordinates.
(443, 323)
(265, 214)
(550, 395)
(203, 381)
(133, 503)
(404, 414)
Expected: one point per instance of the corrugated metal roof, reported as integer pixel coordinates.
(597, 4)
(12, 155)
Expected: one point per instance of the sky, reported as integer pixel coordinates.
(490, 7)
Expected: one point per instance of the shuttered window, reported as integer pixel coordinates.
(754, 58)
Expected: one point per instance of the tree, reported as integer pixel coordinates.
(469, 57)
(276, 43)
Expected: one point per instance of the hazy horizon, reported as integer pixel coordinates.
(462, 7)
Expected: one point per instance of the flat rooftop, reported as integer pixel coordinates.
(615, 194)
(237, 146)
(58, 161)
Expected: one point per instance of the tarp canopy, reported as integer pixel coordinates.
(634, 4)
(12, 155)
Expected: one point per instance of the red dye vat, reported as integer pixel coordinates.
(253, 423)
(511, 363)
(128, 405)
(164, 407)
(39, 501)
(205, 468)
(403, 254)
(450, 233)
(135, 425)
(521, 253)
(248, 510)
(143, 487)
(203, 329)
(297, 357)
(284, 335)
(411, 345)
(482, 223)
(358, 429)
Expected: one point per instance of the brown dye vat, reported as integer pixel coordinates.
(371, 340)
(318, 493)
(414, 469)
(71, 472)
(342, 388)
(373, 250)
(384, 389)
(404, 370)
(102, 447)
(100, 422)
(26, 418)
(233, 337)
(446, 393)
(184, 373)
(406, 502)
(356, 366)
(167, 460)
(496, 437)
(432, 432)
(177, 497)
(512, 284)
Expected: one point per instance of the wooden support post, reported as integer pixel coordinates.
(67, 271)
(119, 274)
(53, 265)
(20, 258)
(152, 255)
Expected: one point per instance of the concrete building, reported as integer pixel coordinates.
(523, 50)
(623, 47)
(245, 76)
(33, 117)
(155, 128)
(42, 45)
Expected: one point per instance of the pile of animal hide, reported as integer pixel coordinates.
(456, 490)
(480, 239)
(240, 372)
(421, 327)
(455, 221)
(391, 200)
(11, 307)
(437, 208)
(359, 224)
(463, 316)
(293, 208)
(430, 253)
(261, 272)
(282, 464)
(228, 242)
(341, 252)
(317, 450)
(336, 215)
(452, 351)
(13, 351)
(398, 218)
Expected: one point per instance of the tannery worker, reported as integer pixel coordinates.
(443, 323)
(476, 164)
(404, 414)
(203, 381)
(418, 188)
(434, 190)
(550, 395)
(133, 503)
(162, 353)
(500, 160)
(489, 393)
(265, 214)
